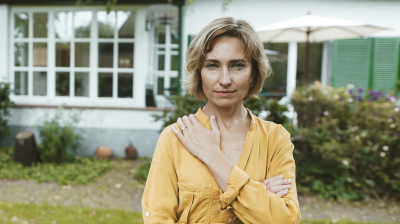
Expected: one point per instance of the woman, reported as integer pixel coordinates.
(223, 164)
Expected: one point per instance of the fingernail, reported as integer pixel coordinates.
(281, 176)
(289, 181)
(212, 117)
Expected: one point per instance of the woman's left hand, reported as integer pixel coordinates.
(200, 141)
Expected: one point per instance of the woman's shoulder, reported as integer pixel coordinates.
(269, 127)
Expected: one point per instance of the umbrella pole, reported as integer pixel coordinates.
(307, 59)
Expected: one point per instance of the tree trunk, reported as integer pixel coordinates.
(25, 151)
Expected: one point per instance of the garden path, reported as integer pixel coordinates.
(117, 189)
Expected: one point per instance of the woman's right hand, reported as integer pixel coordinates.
(278, 185)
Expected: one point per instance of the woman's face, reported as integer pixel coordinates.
(226, 72)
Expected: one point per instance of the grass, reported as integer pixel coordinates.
(81, 171)
(48, 214)
(43, 214)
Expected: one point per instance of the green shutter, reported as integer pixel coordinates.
(385, 64)
(351, 62)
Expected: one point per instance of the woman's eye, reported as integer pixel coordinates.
(212, 66)
(238, 65)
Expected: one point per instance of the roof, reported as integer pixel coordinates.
(93, 2)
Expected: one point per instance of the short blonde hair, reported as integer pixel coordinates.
(202, 44)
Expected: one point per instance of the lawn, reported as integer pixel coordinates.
(31, 213)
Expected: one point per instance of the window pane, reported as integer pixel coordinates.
(82, 54)
(174, 62)
(81, 84)
(62, 84)
(82, 21)
(106, 24)
(277, 82)
(174, 35)
(21, 83)
(125, 24)
(125, 85)
(105, 87)
(21, 28)
(62, 54)
(40, 54)
(21, 54)
(63, 25)
(40, 25)
(125, 55)
(161, 35)
(161, 62)
(160, 86)
(106, 51)
(40, 83)
(173, 89)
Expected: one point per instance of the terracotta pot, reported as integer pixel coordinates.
(130, 152)
(103, 152)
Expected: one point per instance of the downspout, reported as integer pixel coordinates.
(180, 27)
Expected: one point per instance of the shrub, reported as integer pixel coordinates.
(5, 104)
(142, 171)
(348, 146)
(58, 142)
(81, 171)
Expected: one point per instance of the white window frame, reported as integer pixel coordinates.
(93, 100)
(167, 73)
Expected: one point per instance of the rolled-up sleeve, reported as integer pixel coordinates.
(160, 197)
(250, 200)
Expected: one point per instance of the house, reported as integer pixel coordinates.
(113, 70)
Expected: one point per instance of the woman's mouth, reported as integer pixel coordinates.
(225, 93)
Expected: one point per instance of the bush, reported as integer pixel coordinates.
(142, 171)
(81, 171)
(5, 104)
(58, 142)
(187, 104)
(347, 147)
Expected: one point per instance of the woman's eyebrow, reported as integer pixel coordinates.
(233, 60)
(239, 60)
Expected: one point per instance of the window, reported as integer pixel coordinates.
(64, 54)
(166, 56)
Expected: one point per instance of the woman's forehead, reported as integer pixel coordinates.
(227, 48)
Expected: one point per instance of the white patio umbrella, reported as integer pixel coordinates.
(315, 29)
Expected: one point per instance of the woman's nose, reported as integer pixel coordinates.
(225, 77)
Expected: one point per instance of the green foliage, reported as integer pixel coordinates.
(58, 142)
(25, 213)
(81, 171)
(142, 171)
(187, 104)
(5, 104)
(348, 146)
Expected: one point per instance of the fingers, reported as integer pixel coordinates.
(282, 193)
(187, 121)
(177, 133)
(194, 120)
(213, 123)
(272, 178)
(278, 188)
(181, 124)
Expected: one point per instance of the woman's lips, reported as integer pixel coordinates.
(224, 94)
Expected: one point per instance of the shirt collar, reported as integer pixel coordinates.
(205, 120)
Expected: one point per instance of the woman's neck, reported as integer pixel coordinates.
(229, 117)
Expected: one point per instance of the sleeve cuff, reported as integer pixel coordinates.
(236, 181)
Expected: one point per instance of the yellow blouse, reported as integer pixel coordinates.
(181, 189)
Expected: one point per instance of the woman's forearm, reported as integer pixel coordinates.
(220, 166)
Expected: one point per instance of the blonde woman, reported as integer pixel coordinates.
(223, 164)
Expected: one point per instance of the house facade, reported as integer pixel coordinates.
(112, 70)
